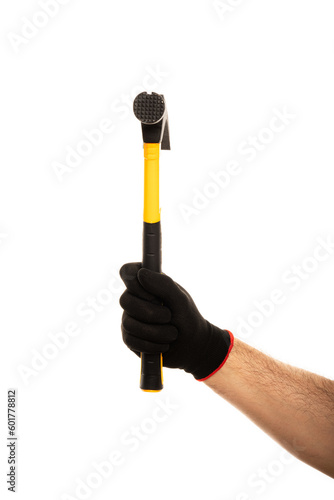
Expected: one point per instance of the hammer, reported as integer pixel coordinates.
(150, 109)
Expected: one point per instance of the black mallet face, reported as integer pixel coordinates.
(151, 111)
(149, 108)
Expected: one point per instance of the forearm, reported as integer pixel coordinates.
(293, 406)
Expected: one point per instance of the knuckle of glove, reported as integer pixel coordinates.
(124, 300)
(129, 271)
(138, 345)
(145, 311)
(159, 334)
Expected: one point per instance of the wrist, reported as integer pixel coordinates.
(215, 353)
(230, 373)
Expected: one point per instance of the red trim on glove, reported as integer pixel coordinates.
(227, 355)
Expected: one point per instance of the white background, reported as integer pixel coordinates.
(63, 240)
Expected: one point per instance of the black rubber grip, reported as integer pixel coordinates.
(151, 369)
(152, 246)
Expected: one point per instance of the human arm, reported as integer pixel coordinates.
(293, 406)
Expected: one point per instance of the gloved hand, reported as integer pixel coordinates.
(175, 328)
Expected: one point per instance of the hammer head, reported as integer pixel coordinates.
(151, 111)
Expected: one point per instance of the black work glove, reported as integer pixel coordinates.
(175, 328)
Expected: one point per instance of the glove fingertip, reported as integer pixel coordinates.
(145, 277)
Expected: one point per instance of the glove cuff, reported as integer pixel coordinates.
(216, 353)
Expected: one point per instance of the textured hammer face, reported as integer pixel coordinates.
(149, 108)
